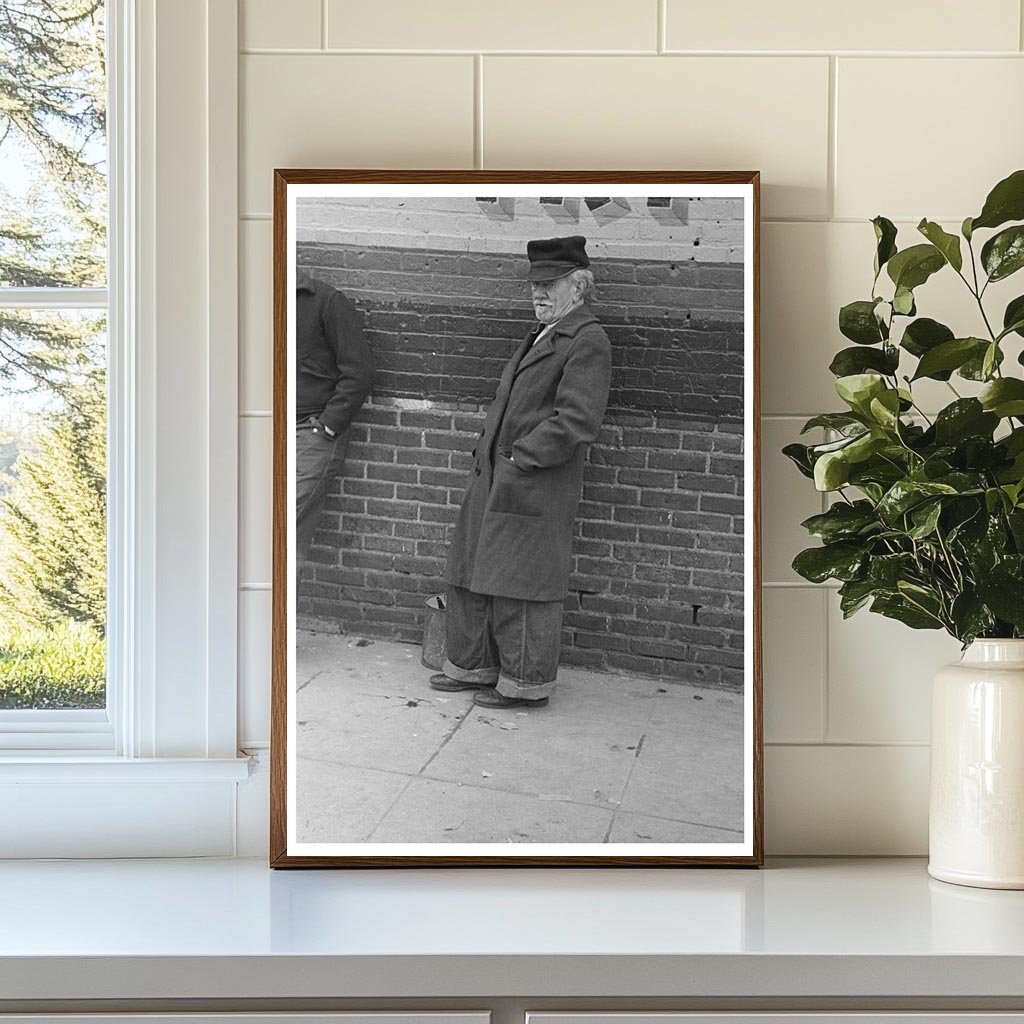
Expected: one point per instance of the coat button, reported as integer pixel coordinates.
(477, 471)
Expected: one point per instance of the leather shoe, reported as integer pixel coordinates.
(492, 699)
(440, 681)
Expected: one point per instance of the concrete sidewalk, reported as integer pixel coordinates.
(613, 759)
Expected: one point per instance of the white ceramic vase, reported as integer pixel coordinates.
(976, 813)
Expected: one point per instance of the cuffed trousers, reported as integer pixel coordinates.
(503, 642)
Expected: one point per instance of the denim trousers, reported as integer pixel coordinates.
(319, 460)
(503, 642)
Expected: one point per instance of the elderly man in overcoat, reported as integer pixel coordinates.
(509, 563)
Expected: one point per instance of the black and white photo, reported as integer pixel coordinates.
(516, 560)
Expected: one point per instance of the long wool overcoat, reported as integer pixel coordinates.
(514, 533)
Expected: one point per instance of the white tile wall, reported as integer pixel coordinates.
(908, 110)
(872, 25)
(694, 113)
(255, 511)
(256, 355)
(495, 25)
(254, 625)
(332, 110)
(945, 105)
(261, 25)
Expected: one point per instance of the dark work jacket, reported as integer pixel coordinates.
(333, 371)
(514, 533)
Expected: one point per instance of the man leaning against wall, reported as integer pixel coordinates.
(333, 376)
(509, 564)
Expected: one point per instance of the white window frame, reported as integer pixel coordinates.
(158, 772)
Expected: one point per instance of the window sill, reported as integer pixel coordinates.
(76, 807)
(74, 766)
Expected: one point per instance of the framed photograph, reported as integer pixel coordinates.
(516, 558)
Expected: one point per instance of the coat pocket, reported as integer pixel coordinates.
(515, 491)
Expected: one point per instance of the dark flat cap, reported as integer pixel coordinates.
(551, 258)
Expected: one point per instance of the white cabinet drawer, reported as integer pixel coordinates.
(361, 1017)
(959, 1017)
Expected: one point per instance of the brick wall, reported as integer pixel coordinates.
(657, 586)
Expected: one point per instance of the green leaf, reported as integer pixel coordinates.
(1004, 397)
(843, 521)
(912, 267)
(1003, 254)
(831, 471)
(885, 236)
(965, 229)
(1005, 202)
(925, 518)
(947, 244)
(887, 570)
(903, 302)
(950, 355)
(885, 409)
(904, 495)
(854, 595)
(849, 361)
(841, 421)
(897, 607)
(1004, 594)
(1013, 317)
(991, 360)
(799, 455)
(857, 321)
(974, 368)
(971, 617)
(925, 334)
(840, 561)
(858, 389)
(966, 417)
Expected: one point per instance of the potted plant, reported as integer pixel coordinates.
(927, 521)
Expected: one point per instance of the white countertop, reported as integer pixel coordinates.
(235, 929)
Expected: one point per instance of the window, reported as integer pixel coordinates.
(53, 367)
(155, 771)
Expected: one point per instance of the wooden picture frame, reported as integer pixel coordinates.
(431, 267)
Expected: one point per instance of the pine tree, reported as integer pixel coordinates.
(53, 522)
(53, 122)
(53, 234)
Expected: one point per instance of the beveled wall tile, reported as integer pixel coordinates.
(880, 676)
(869, 25)
(254, 666)
(255, 507)
(351, 111)
(680, 113)
(962, 130)
(261, 26)
(794, 663)
(787, 498)
(495, 25)
(255, 316)
(846, 801)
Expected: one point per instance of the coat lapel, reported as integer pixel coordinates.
(544, 347)
(569, 324)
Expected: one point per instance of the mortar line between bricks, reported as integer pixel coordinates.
(519, 793)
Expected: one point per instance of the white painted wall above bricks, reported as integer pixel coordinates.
(803, 92)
